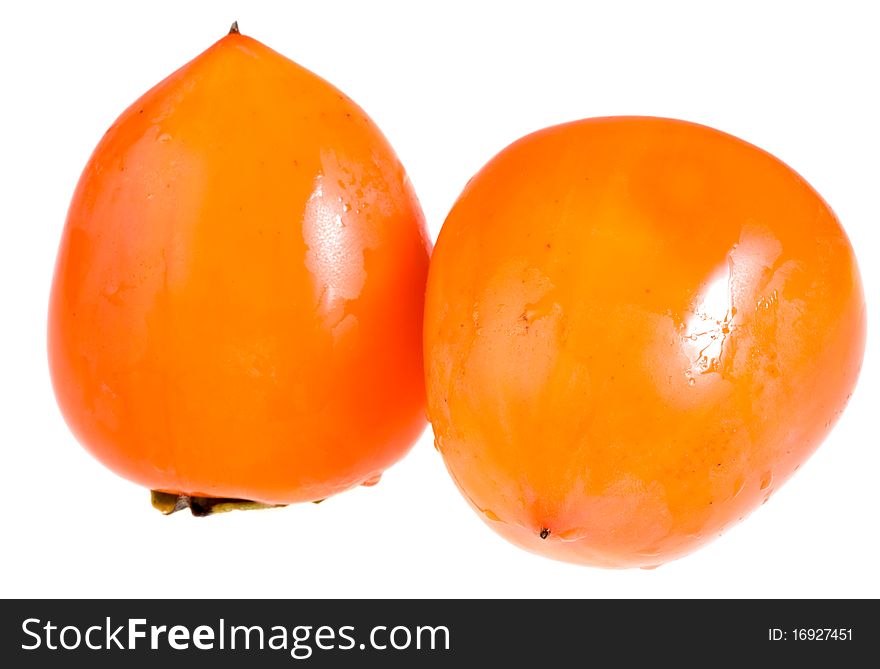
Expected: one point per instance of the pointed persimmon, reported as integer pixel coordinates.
(237, 303)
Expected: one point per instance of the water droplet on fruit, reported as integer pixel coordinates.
(373, 480)
(766, 480)
(491, 515)
(573, 534)
(692, 381)
(738, 486)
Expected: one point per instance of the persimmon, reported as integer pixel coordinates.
(636, 329)
(237, 303)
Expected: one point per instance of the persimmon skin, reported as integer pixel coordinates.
(636, 329)
(237, 301)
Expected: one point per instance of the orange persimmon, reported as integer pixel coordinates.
(636, 330)
(237, 303)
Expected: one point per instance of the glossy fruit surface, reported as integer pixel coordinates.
(237, 303)
(636, 330)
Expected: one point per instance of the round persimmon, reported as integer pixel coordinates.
(237, 303)
(636, 330)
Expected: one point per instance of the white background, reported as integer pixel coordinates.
(450, 83)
